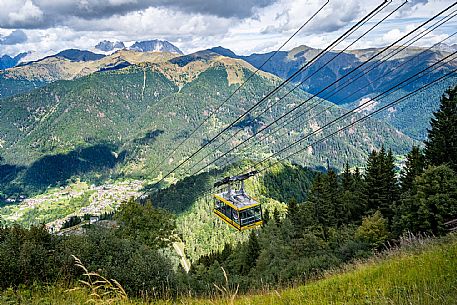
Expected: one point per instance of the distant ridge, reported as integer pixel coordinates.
(155, 46)
(7, 61)
(107, 46)
(79, 55)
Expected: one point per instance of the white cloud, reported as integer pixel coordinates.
(263, 27)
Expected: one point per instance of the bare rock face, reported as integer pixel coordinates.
(107, 46)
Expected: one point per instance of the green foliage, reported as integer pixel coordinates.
(430, 204)
(285, 182)
(251, 253)
(381, 187)
(24, 256)
(374, 230)
(414, 166)
(29, 256)
(145, 224)
(441, 145)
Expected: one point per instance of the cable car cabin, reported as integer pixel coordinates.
(235, 207)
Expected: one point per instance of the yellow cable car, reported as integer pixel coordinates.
(234, 206)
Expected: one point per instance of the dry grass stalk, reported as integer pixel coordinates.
(226, 291)
(102, 290)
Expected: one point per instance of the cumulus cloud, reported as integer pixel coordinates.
(245, 26)
(16, 37)
(20, 14)
(50, 13)
(412, 6)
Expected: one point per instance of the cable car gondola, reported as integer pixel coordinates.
(234, 206)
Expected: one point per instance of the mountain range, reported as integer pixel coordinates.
(7, 61)
(81, 113)
(398, 65)
(123, 121)
(154, 45)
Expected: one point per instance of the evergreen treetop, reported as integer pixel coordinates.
(441, 145)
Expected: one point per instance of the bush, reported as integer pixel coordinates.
(373, 230)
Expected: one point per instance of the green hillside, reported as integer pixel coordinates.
(123, 122)
(424, 276)
(411, 117)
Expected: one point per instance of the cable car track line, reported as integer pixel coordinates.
(307, 78)
(291, 119)
(282, 84)
(314, 95)
(363, 118)
(389, 91)
(398, 87)
(242, 84)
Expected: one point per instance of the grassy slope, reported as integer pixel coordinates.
(420, 276)
(425, 278)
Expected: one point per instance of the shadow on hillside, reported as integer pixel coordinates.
(56, 169)
(149, 137)
(8, 173)
(180, 197)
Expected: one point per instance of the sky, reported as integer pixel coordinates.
(245, 26)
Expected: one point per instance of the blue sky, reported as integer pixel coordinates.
(245, 26)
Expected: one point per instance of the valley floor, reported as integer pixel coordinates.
(419, 274)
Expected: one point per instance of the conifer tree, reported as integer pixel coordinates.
(373, 188)
(346, 181)
(293, 214)
(441, 145)
(360, 199)
(266, 216)
(316, 199)
(324, 200)
(381, 188)
(351, 199)
(414, 166)
(430, 203)
(276, 217)
(391, 185)
(332, 209)
(251, 254)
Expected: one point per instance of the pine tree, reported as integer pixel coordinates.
(430, 203)
(316, 199)
(441, 145)
(360, 199)
(414, 166)
(391, 184)
(276, 217)
(346, 181)
(348, 198)
(381, 188)
(373, 188)
(332, 208)
(323, 201)
(251, 254)
(293, 214)
(266, 216)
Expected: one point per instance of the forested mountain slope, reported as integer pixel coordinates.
(136, 115)
(381, 75)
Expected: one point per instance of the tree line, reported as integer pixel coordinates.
(347, 216)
